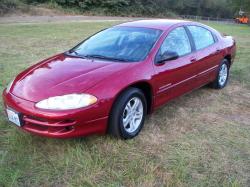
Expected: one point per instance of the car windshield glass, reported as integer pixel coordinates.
(125, 44)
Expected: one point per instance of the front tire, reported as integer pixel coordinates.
(128, 114)
(222, 76)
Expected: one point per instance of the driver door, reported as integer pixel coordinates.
(175, 77)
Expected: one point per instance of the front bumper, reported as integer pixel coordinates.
(58, 124)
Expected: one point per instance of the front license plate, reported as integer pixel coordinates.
(14, 117)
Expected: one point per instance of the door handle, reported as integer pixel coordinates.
(217, 51)
(193, 59)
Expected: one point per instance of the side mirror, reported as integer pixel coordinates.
(167, 56)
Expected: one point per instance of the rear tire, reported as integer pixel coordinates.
(128, 114)
(222, 76)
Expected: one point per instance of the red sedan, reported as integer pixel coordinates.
(110, 81)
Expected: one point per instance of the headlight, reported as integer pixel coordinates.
(65, 102)
(9, 86)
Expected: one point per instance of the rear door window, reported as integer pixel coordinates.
(202, 37)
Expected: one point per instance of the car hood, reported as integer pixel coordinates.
(60, 75)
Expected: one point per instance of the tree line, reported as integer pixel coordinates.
(209, 8)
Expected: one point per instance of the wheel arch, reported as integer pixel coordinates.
(146, 88)
(228, 57)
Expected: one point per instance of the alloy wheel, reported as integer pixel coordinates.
(132, 115)
(223, 73)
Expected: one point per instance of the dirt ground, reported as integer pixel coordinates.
(60, 18)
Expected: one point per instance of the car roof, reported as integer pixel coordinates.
(162, 24)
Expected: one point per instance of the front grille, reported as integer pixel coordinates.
(33, 123)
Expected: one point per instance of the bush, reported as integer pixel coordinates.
(7, 6)
(220, 8)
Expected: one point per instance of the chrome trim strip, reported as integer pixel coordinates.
(185, 80)
(208, 70)
(168, 86)
(165, 86)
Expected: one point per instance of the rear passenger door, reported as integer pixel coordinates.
(207, 53)
(175, 77)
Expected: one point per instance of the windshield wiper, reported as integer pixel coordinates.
(74, 53)
(106, 58)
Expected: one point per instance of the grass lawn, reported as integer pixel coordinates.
(200, 139)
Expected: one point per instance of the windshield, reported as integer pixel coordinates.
(119, 44)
